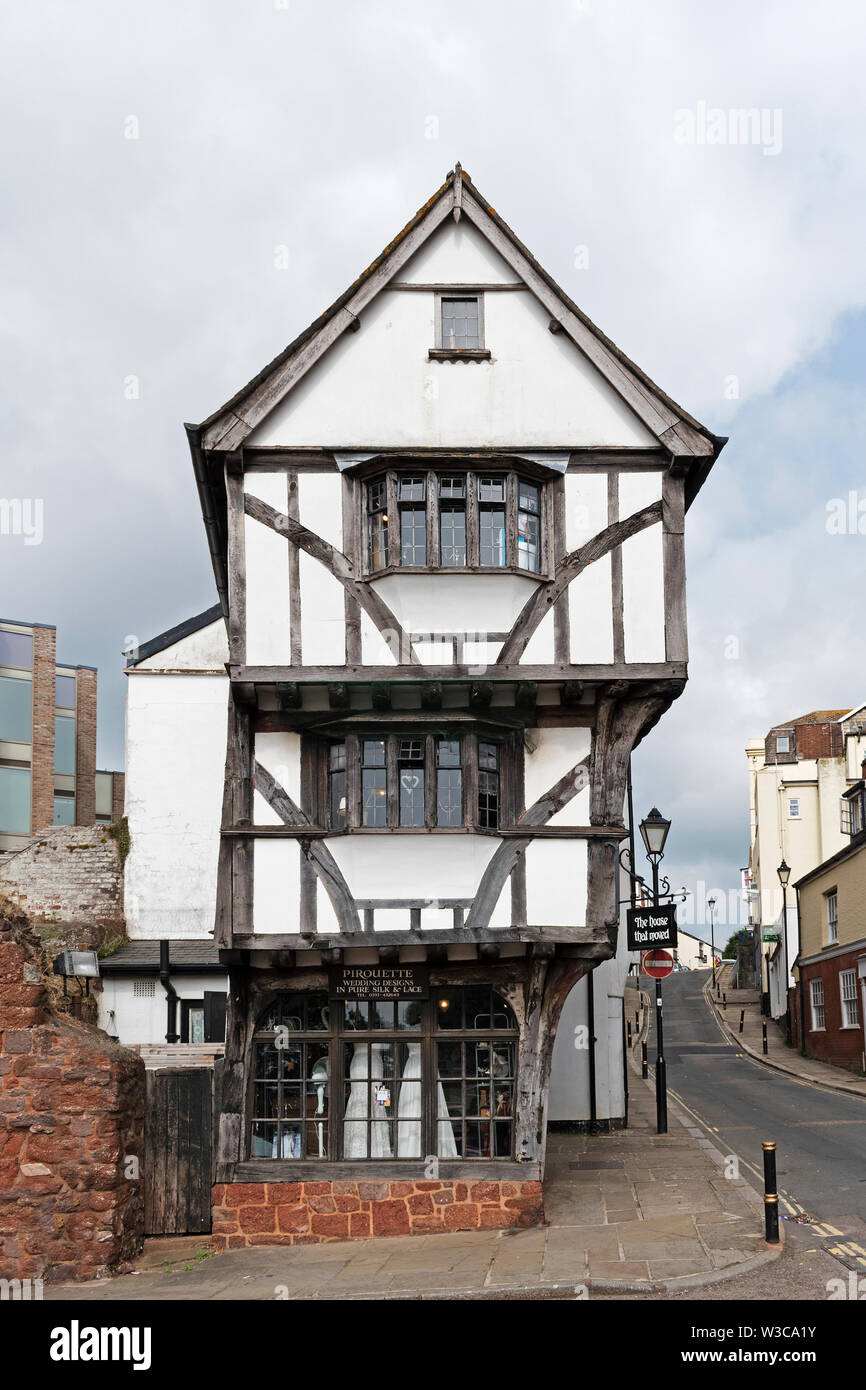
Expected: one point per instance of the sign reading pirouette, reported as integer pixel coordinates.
(651, 926)
(378, 982)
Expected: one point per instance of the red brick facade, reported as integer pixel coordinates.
(118, 796)
(42, 756)
(843, 1047)
(71, 1116)
(309, 1213)
(85, 746)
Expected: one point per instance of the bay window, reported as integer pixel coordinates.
(454, 520)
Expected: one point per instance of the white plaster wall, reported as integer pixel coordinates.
(175, 761)
(556, 883)
(447, 602)
(585, 507)
(456, 246)
(205, 650)
(323, 612)
(642, 572)
(276, 886)
(541, 647)
(267, 576)
(377, 387)
(375, 650)
(143, 1020)
(413, 866)
(280, 754)
(692, 952)
(556, 752)
(590, 615)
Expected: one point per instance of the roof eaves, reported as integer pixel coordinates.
(176, 634)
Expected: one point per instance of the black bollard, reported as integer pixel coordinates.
(742, 1019)
(771, 1196)
(628, 1031)
(725, 1002)
(764, 1036)
(644, 1070)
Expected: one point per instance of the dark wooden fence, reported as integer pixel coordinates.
(178, 1151)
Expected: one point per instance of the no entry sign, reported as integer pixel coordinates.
(657, 964)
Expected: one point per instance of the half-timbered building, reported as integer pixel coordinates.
(446, 526)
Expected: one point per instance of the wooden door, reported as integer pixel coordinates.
(178, 1146)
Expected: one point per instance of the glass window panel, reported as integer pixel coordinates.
(453, 1093)
(64, 691)
(412, 795)
(15, 706)
(452, 534)
(375, 793)
(411, 750)
(382, 1015)
(409, 1015)
(412, 489)
(374, 752)
(413, 536)
(378, 541)
(527, 542)
(528, 497)
(15, 800)
(452, 487)
(449, 796)
(477, 1004)
(16, 649)
(492, 536)
(337, 800)
(195, 1025)
(64, 745)
(491, 489)
(356, 1014)
(450, 1057)
(266, 1100)
(263, 1143)
(460, 323)
(64, 810)
(502, 1139)
(448, 752)
(449, 1009)
(477, 1139)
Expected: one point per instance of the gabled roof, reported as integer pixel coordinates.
(818, 716)
(224, 431)
(176, 634)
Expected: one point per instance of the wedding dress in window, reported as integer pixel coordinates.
(409, 1112)
(358, 1106)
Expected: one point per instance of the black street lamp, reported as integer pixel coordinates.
(711, 904)
(654, 832)
(784, 872)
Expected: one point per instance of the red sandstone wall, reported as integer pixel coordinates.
(308, 1213)
(71, 1112)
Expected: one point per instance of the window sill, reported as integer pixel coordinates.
(395, 1169)
(454, 569)
(458, 355)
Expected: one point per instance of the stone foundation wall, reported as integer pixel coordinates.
(71, 1118)
(308, 1213)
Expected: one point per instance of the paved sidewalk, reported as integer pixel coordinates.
(631, 1211)
(779, 1055)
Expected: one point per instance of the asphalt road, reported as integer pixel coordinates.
(820, 1136)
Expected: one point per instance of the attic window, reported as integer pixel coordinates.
(459, 326)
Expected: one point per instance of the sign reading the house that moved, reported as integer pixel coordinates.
(378, 982)
(650, 927)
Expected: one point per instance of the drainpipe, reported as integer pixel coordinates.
(171, 1035)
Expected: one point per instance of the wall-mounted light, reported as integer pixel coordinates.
(78, 965)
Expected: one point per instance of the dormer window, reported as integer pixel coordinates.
(454, 520)
(459, 326)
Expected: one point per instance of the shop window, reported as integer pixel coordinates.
(818, 1015)
(850, 1002)
(413, 1077)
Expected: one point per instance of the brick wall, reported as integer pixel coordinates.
(42, 776)
(118, 796)
(71, 1113)
(85, 747)
(309, 1213)
(843, 1047)
(68, 873)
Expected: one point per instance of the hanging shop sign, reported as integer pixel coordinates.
(649, 927)
(378, 982)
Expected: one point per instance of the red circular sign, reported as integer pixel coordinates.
(657, 964)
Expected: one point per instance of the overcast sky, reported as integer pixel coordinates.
(734, 273)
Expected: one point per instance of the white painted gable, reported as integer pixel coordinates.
(205, 650)
(377, 388)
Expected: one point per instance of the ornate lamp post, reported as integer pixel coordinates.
(784, 872)
(711, 904)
